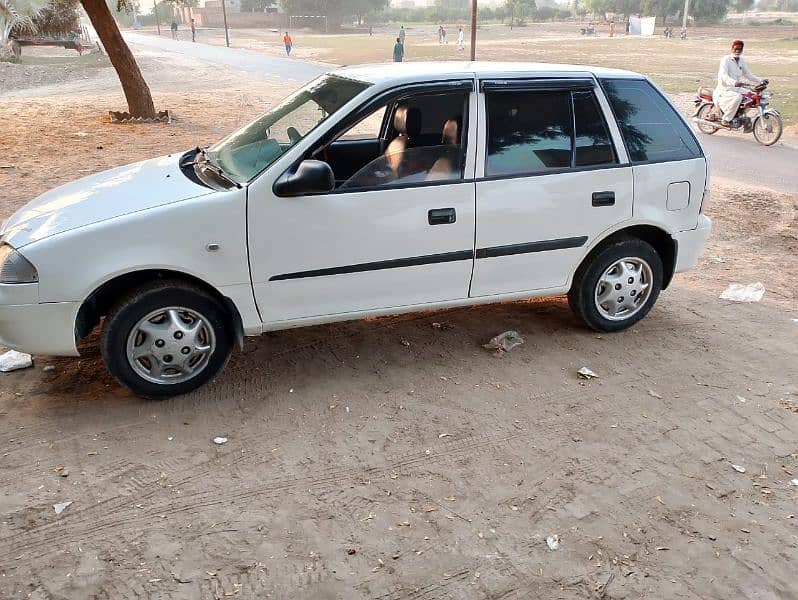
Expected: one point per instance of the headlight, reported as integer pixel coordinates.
(15, 268)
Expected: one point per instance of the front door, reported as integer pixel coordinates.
(553, 181)
(380, 239)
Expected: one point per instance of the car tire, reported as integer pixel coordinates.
(166, 338)
(607, 287)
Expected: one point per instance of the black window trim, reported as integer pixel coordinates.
(393, 94)
(651, 85)
(572, 168)
(517, 84)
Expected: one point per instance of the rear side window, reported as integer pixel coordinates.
(650, 126)
(528, 132)
(535, 131)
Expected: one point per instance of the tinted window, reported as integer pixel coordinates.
(651, 127)
(528, 132)
(593, 142)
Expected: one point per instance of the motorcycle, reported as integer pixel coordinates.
(767, 124)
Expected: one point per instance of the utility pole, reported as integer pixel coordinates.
(224, 16)
(157, 18)
(684, 16)
(473, 29)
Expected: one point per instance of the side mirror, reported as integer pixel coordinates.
(309, 177)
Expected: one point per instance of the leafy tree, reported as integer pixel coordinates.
(17, 16)
(709, 11)
(57, 18)
(363, 8)
(520, 10)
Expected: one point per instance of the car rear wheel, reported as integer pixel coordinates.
(617, 287)
(166, 339)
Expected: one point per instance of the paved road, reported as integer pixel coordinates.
(741, 158)
(733, 156)
(245, 60)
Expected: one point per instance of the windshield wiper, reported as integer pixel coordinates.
(206, 163)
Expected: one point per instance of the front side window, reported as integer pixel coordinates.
(528, 132)
(650, 126)
(425, 142)
(245, 153)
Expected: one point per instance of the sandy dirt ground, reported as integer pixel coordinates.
(395, 458)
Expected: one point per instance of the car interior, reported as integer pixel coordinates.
(420, 139)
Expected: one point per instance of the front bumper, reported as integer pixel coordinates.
(29, 326)
(690, 243)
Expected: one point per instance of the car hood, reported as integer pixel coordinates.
(100, 197)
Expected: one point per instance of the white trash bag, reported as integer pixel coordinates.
(738, 292)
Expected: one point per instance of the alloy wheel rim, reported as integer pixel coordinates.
(170, 345)
(623, 289)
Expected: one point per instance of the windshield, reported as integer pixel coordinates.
(245, 153)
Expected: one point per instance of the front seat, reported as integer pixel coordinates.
(447, 165)
(407, 124)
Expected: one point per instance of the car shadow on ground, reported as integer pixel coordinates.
(410, 346)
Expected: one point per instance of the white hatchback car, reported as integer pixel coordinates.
(372, 190)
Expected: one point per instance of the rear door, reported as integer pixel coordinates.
(553, 178)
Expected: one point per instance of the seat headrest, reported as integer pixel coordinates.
(407, 120)
(451, 133)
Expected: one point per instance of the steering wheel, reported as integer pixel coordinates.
(293, 135)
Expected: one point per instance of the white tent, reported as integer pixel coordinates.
(641, 25)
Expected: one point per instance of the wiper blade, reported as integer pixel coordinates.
(216, 170)
(205, 163)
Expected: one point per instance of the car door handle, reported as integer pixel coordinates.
(603, 198)
(441, 216)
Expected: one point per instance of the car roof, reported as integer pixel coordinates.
(417, 72)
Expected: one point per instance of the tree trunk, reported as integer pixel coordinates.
(137, 93)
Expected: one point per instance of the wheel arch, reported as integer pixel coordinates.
(664, 244)
(100, 301)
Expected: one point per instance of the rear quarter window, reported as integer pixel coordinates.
(651, 127)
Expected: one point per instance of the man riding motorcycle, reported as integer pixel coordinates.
(727, 95)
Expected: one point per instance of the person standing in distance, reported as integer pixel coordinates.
(460, 39)
(398, 50)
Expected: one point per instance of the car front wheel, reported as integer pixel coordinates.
(166, 339)
(618, 286)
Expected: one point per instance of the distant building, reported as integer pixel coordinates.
(229, 5)
(210, 15)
